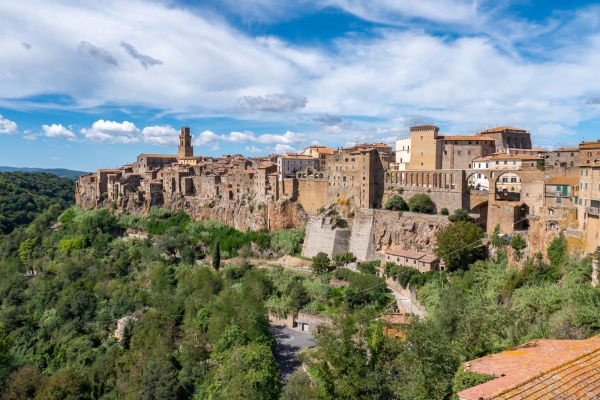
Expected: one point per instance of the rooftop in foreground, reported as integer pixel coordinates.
(541, 369)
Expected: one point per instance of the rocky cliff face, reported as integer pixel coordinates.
(282, 214)
(408, 231)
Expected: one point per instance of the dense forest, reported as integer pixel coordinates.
(24, 195)
(198, 329)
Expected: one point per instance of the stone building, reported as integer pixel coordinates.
(507, 137)
(403, 153)
(422, 262)
(561, 191)
(589, 153)
(320, 153)
(565, 157)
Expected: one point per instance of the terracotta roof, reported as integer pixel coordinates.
(396, 319)
(566, 149)
(539, 369)
(157, 155)
(266, 165)
(463, 138)
(415, 255)
(502, 129)
(590, 145)
(503, 156)
(428, 258)
(563, 180)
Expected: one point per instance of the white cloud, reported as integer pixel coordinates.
(207, 137)
(30, 137)
(253, 149)
(54, 158)
(240, 137)
(286, 138)
(145, 60)
(161, 135)
(112, 132)
(58, 131)
(505, 72)
(282, 148)
(7, 126)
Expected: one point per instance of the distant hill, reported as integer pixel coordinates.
(60, 172)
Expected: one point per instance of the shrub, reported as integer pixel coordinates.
(420, 203)
(251, 208)
(557, 250)
(444, 211)
(290, 240)
(518, 243)
(320, 263)
(460, 214)
(395, 203)
(340, 222)
(464, 380)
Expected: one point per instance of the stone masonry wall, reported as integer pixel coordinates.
(362, 243)
(322, 236)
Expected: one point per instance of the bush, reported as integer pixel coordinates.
(518, 243)
(340, 222)
(289, 241)
(368, 267)
(464, 380)
(395, 203)
(460, 215)
(421, 203)
(557, 251)
(444, 211)
(320, 263)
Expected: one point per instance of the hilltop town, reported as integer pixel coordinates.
(495, 175)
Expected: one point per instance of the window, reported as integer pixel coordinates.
(586, 185)
(572, 154)
(421, 137)
(505, 180)
(557, 154)
(513, 180)
(576, 200)
(366, 167)
(445, 153)
(533, 163)
(526, 194)
(458, 152)
(469, 152)
(505, 162)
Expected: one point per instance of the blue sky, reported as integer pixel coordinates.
(88, 86)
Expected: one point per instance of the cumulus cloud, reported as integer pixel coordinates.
(240, 137)
(30, 137)
(58, 131)
(276, 102)
(161, 135)
(7, 126)
(207, 137)
(145, 60)
(282, 148)
(252, 149)
(26, 45)
(112, 132)
(96, 53)
(286, 138)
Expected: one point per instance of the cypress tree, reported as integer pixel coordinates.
(216, 261)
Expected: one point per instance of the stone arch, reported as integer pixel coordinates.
(477, 180)
(507, 190)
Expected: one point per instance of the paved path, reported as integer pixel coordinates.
(406, 303)
(289, 342)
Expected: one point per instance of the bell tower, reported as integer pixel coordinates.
(185, 143)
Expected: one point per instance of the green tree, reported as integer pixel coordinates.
(320, 263)
(27, 247)
(299, 386)
(518, 244)
(557, 251)
(420, 203)
(216, 260)
(249, 372)
(460, 214)
(465, 379)
(459, 245)
(396, 203)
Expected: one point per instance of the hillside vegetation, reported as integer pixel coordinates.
(198, 332)
(25, 195)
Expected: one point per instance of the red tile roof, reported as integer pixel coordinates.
(541, 369)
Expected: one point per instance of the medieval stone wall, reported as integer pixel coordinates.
(323, 236)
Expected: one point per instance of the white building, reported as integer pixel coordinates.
(289, 164)
(403, 153)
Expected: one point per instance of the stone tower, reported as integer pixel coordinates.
(185, 143)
